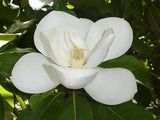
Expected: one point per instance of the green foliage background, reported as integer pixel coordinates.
(17, 25)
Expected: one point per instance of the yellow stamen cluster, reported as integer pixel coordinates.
(77, 57)
(77, 54)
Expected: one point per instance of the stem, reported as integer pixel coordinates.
(74, 105)
(22, 104)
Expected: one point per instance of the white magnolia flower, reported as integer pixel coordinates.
(38, 4)
(71, 50)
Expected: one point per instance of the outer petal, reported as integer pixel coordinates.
(112, 86)
(74, 78)
(123, 35)
(33, 74)
(63, 22)
(98, 54)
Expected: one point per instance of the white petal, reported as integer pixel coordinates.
(33, 74)
(75, 78)
(112, 86)
(58, 47)
(78, 41)
(63, 22)
(47, 46)
(99, 53)
(72, 40)
(86, 25)
(38, 4)
(122, 40)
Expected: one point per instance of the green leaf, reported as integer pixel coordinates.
(8, 10)
(132, 64)
(8, 102)
(6, 37)
(1, 108)
(19, 50)
(153, 15)
(7, 62)
(20, 26)
(60, 6)
(21, 102)
(125, 111)
(6, 83)
(36, 99)
(132, 8)
(8, 96)
(141, 98)
(57, 107)
(25, 114)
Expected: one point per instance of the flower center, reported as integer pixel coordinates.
(77, 57)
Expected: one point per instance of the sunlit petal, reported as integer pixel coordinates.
(33, 74)
(38, 4)
(75, 78)
(99, 52)
(62, 22)
(112, 86)
(122, 39)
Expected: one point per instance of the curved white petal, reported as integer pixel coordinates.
(122, 31)
(99, 53)
(112, 86)
(74, 78)
(33, 74)
(86, 25)
(58, 47)
(63, 22)
(47, 46)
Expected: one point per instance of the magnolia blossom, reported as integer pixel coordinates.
(71, 49)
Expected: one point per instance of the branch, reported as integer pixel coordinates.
(142, 24)
(146, 56)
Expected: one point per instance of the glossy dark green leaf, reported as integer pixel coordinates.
(7, 36)
(132, 64)
(7, 62)
(125, 111)
(8, 102)
(25, 114)
(8, 110)
(141, 98)
(36, 99)
(57, 107)
(7, 96)
(1, 109)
